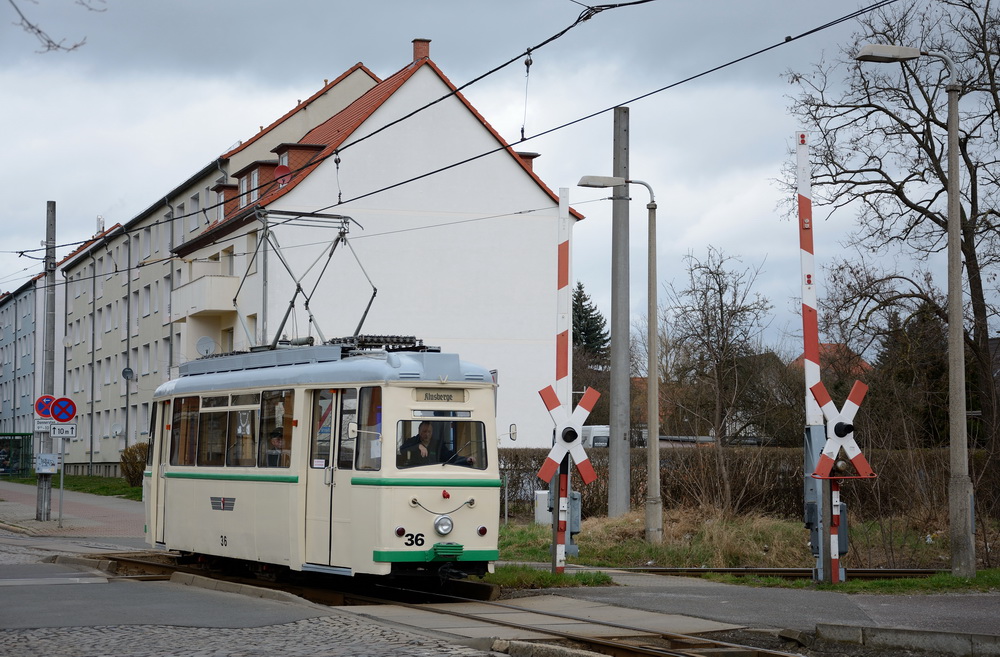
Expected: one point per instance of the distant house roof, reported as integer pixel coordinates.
(837, 356)
(331, 135)
(301, 106)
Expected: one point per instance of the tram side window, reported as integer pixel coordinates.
(369, 452)
(324, 404)
(276, 428)
(212, 431)
(184, 431)
(348, 414)
(242, 447)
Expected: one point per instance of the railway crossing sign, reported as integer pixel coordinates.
(43, 405)
(568, 429)
(840, 433)
(63, 409)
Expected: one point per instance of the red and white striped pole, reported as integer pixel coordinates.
(564, 304)
(814, 490)
(564, 382)
(810, 321)
(834, 531)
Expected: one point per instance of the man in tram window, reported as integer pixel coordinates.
(422, 449)
(277, 455)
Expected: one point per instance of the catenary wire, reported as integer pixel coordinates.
(786, 40)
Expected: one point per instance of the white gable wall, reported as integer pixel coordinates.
(453, 260)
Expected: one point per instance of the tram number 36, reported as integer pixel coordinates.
(223, 541)
(413, 539)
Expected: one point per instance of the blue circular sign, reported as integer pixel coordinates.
(43, 405)
(63, 409)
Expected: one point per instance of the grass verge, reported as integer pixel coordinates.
(110, 486)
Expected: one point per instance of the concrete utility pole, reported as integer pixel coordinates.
(43, 510)
(960, 491)
(961, 508)
(619, 446)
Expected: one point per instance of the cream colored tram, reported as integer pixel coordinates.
(334, 458)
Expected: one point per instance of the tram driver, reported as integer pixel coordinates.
(421, 449)
(277, 455)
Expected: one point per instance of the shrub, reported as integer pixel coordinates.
(134, 463)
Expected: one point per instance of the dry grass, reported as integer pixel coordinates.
(696, 538)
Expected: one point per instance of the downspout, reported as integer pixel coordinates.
(14, 370)
(170, 291)
(128, 328)
(93, 355)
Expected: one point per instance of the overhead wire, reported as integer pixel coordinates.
(585, 15)
(588, 13)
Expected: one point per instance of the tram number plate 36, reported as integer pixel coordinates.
(413, 539)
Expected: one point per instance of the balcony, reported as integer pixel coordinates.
(205, 296)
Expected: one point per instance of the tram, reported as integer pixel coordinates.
(375, 456)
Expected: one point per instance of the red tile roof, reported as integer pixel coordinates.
(301, 106)
(334, 132)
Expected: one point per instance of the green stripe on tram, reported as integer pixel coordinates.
(385, 481)
(219, 476)
(428, 556)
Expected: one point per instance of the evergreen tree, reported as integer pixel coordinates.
(590, 333)
(591, 352)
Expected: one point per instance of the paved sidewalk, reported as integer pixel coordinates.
(82, 514)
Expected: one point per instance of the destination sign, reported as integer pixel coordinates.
(440, 395)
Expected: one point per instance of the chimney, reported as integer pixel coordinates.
(528, 159)
(421, 49)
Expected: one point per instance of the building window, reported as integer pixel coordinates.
(193, 221)
(244, 181)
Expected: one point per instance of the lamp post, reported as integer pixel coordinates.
(960, 507)
(654, 502)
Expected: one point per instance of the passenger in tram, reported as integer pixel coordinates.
(277, 455)
(421, 449)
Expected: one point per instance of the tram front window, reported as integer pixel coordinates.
(437, 442)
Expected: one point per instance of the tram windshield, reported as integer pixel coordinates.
(440, 442)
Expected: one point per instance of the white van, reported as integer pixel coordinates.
(596, 435)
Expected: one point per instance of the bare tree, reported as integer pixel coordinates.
(48, 43)
(716, 321)
(882, 133)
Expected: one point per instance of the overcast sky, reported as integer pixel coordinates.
(162, 88)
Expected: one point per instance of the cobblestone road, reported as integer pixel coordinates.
(339, 635)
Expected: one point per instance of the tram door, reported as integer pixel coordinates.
(328, 478)
(162, 445)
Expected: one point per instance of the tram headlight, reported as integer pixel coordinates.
(443, 525)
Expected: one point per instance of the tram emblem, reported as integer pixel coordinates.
(223, 503)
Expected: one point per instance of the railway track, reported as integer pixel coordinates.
(642, 641)
(789, 573)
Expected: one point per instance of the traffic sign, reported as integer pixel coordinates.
(43, 424)
(63, 431)
(63, 409)
(43, 405)
(47, 463)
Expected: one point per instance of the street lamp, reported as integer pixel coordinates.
(960, 509)
(654, 503)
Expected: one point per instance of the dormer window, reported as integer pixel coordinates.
(244, 182)
(254, 185)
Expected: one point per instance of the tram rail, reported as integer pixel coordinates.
(642, 640)
(649, 643)
(788, 573)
